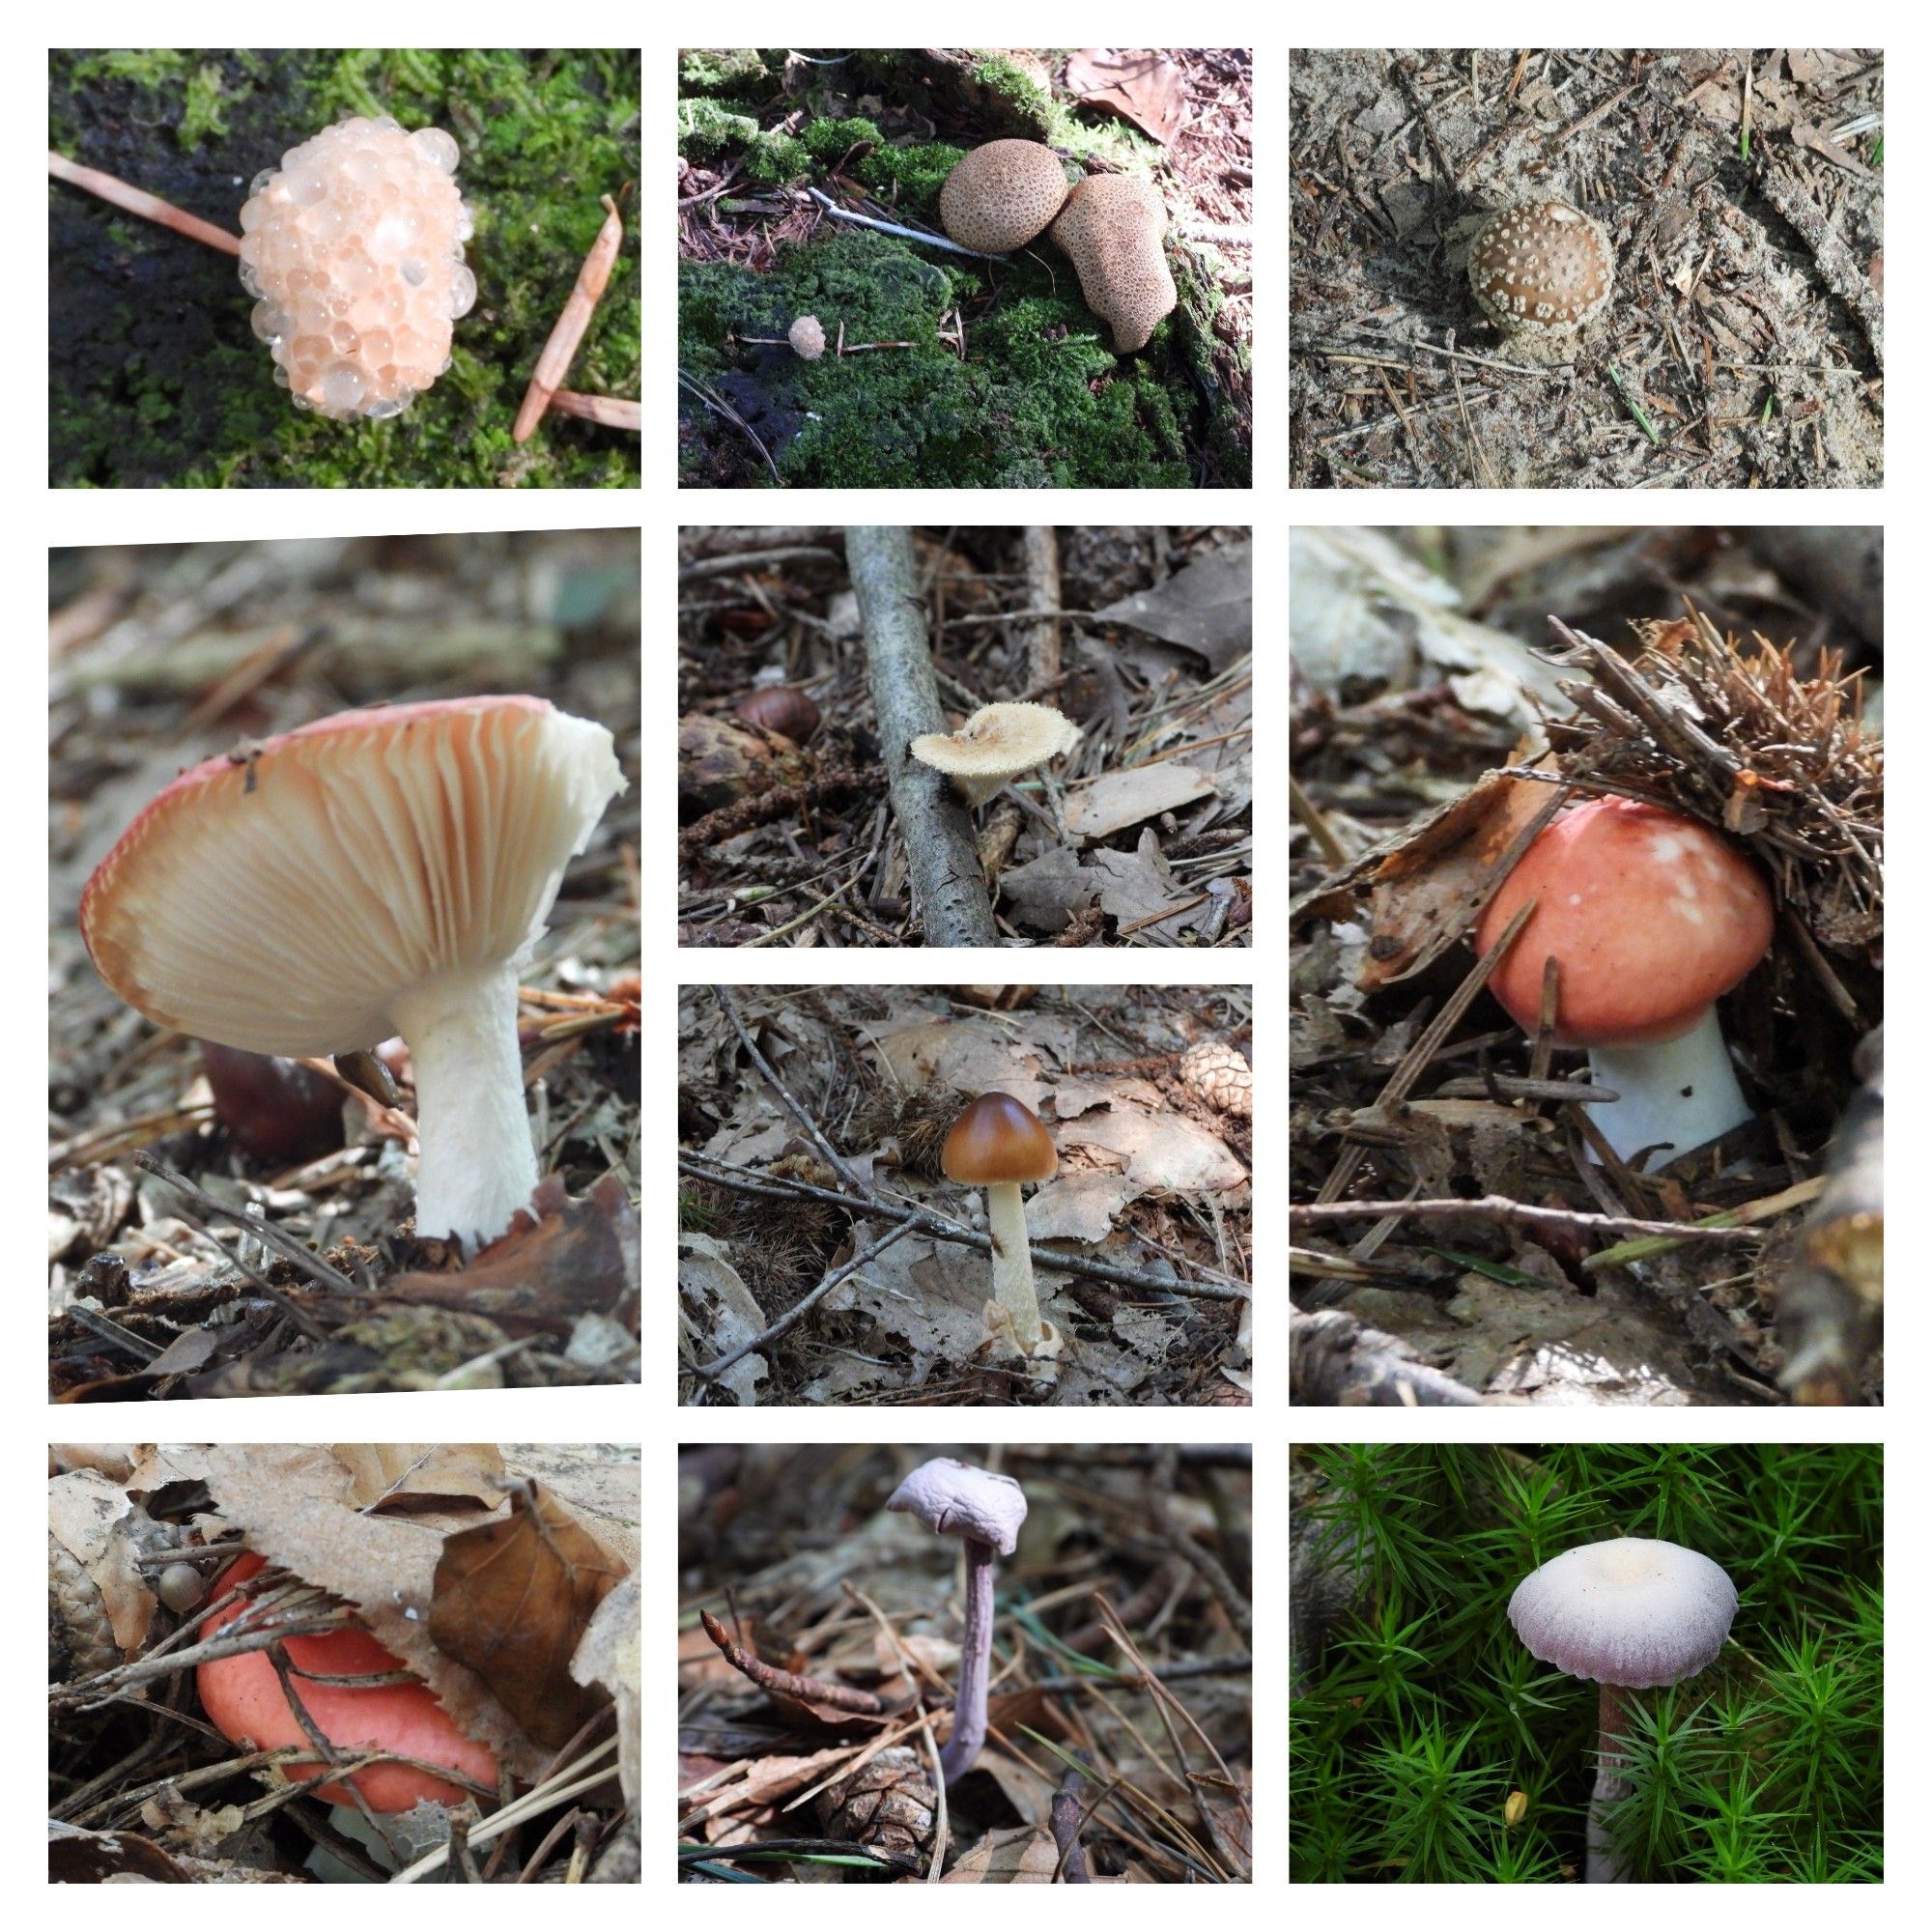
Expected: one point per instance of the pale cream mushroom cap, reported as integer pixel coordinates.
(997, 743)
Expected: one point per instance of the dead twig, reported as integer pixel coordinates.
(554, 363)
(1499, 1208)
(139, 201)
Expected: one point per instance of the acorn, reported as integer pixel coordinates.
(780, 708)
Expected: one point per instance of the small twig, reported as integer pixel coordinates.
(788, 1682)
(613, 411)
(554, 363)
(1499, 1208)
(1066, 1816)
(264, 1229)
(835, 1160)
(1647, 1248)
(139, 201)
(794, 1315)
(838, 213)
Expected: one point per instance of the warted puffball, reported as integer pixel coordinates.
(1002, 195)
(353, 248)
(1112, 228)
(807, 336)
(996, 744)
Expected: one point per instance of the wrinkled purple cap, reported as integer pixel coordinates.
(1630, 1612)
(954, 1499)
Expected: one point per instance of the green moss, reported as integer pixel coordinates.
(722, 69)
(202, 116)
(1040, 402)
(155, 378)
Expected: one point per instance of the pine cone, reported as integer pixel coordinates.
(886, 1805)
(1217, 1074)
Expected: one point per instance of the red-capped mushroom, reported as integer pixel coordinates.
(245, 1700)
(1650, 915)
(377, 873)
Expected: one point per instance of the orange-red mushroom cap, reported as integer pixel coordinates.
(997, 1140)
(244, 1697)
(1650, 917)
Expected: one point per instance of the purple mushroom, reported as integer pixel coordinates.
(984, 1511)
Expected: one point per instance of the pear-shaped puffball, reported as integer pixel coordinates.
(353, 248)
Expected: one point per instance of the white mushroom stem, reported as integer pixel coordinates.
(1602, 1865)
(1012, 1262)
(477, 1164)
(961, 1750)
(1683, 1092)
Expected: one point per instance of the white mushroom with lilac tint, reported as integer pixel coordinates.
(984, 1511)
(353, 248)
(377, 873)
(1629, 1614)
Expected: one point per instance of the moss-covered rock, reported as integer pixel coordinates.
(155, 378)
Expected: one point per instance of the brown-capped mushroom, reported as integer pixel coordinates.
(1112, 228)
(1542, 270)
(1002, 195)
(998, 1144)
(995, 745)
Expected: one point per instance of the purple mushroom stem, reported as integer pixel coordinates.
(975, 1651)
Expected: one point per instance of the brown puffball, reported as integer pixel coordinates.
(1112, 227)
(1001, 195)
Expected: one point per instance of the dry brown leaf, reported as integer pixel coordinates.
(512, 1600)
(389, 1474)
(1206, 607)
(1139, 83)
(580, 1258)
(612, 1657)
(1024, 1855)
(1120, 799)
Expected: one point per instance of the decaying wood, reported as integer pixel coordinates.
(949, 890)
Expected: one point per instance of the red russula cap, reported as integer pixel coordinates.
(244, 1697)
(998, 1139)
(1651, 916)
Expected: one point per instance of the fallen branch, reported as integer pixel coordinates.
(942, 858)
(1499, 1208)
